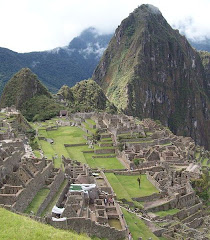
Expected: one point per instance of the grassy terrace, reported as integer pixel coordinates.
(125, 186)
(90, 121)
(137, 227)
(168, 212)
(16, 227)
(86, 125)
(76, 153)
(107, 163)
(61, 136)
(37, 201)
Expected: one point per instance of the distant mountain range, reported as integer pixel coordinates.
(63, 65)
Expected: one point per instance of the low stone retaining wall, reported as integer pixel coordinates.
(105, 144)
(154, 196)
(82, 225)
(101, 156)
(75, 145)
(104, 151)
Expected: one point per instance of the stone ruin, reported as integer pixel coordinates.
(167, 160)
(87, 204)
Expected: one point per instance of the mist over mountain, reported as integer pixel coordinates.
(64, 65)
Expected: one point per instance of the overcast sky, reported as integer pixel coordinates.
(37, 25)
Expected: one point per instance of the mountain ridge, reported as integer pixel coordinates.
(59, 66)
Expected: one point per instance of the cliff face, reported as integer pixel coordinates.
(150, 70)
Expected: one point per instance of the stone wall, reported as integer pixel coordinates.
(34, 185)
(54, 187)
(104, 151)
(82, 225)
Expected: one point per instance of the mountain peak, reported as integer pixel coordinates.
(150, 70)
(21, 87)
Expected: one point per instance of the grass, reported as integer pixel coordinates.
(204, 162)
(16, 227)
(137, 227)
(168, 212)
(130, 186)
(47, 149)
(61, 136)
(76, 153)
(55, 198)
(37, 153)
(37, 201)
(90, 121)
(107, 163)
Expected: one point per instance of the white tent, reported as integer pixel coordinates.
(57, 210)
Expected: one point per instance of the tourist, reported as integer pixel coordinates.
(129, 236)
(139, 181)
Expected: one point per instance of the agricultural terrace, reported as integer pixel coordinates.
(127, 187)
(83, 153)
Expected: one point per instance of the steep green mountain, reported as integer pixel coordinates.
(63, 65)
(86, 95)
(150, 70)
(28, 94)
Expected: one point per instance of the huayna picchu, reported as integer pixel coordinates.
(150, 70)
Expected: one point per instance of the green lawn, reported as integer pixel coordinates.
(17, 227)
(37, 201)
(37, 153)
(137, 227)
(86, 125)
(76, 153)
(107, 163)
(130, 186)
(47, 149)
(61, 136)
(90, 121)
(168, 212)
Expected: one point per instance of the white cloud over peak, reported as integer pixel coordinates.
(35, 25)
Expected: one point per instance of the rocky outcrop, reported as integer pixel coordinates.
(150, 70)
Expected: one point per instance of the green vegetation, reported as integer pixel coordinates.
(40, 108)
(27, 93)
(86, 96)
(16, 227)
(61, 136)
(76, 153)
(137, 227)
(202, 186)
(106, 163)
(37, 201)
(55, 198)
(168, 212)
(130, 186)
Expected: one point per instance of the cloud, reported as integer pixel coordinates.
(35, 25)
